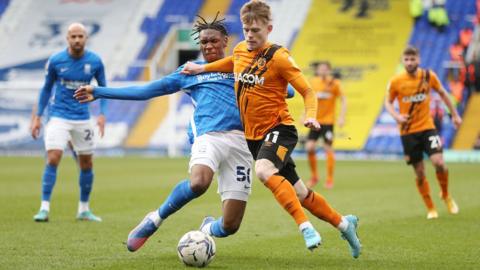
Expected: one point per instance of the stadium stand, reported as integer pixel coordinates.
(434, 46)
(157, 27)
(38, 31)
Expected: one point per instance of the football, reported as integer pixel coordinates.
(196, 248)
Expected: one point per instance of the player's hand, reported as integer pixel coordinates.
(101, 125)
(311, 123)
(401, 118)
(457, 121)
(191, 68)
(84, 94)
(35, 127)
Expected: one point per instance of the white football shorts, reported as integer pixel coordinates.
(227, 154)
(80, 132)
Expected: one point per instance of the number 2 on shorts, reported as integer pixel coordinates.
(88, 134)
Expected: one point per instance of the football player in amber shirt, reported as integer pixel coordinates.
(262, 71)
(412, 91)
(328, 90)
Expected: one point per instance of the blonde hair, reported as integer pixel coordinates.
(255, 10)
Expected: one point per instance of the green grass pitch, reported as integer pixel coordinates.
(393, 226)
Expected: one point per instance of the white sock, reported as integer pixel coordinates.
(206, 228)
(343, 226)
(45, 205)
(155, 217)
(305, 225)
(83, 207)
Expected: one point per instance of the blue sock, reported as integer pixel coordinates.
(85, 182)
(217, 228)
(48, 181)
(180, 195)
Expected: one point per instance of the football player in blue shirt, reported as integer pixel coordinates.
(68, 119)
(216, 131)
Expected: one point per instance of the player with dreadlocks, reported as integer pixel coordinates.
(216, 131)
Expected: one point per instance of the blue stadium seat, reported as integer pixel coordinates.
(157, 27)
(434, 48)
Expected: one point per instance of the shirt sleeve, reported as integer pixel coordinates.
(391, 92)
(167, 85)
(101, 81)
(286, 68)
(309, 98)
(223, 65)
(46, 90)
(434, 81)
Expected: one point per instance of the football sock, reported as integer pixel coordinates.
(286, 197)
(343, 226)
(155, 217)
(442, 177)
(83, 207)
(424, 190)
(319, 207)
(86, 181)
(45, 205)
(305, 225)
(330, 165)
(181, 194)
(48, 181)
(312, 161)
(217, 230)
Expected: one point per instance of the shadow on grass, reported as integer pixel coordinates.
(267, 261)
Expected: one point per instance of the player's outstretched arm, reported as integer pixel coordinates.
(222, 65)
(84, 94)
(168, 85)
(191, 68)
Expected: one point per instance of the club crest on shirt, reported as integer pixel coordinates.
(87, 69)
(261, 62)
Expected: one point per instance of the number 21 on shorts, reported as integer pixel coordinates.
(435, 141)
